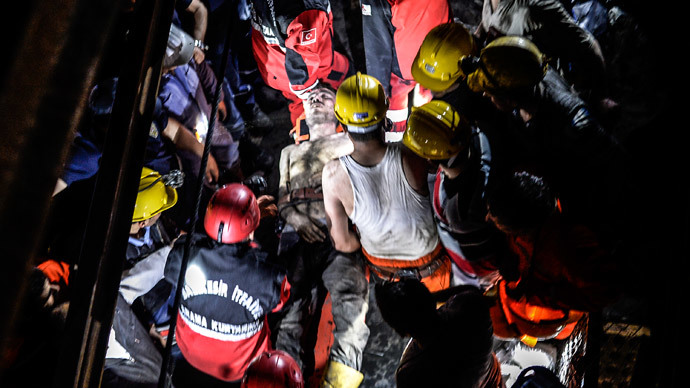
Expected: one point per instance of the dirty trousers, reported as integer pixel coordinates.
(344, 278)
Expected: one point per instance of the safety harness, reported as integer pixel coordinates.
(300, 132)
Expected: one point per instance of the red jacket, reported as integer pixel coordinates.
(564, 267)
(293, 47)
(563, 273)
(227, 292)
(413, 20)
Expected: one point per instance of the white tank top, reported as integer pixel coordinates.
(393, 220)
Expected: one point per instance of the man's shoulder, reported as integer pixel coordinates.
(331, 169)
(340, 138)
(333, 178)
(288, 149)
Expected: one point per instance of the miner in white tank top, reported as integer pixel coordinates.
(393, 220)
(382, 189)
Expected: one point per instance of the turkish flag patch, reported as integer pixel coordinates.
(308, 36)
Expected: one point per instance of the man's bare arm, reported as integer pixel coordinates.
(415, 171)
(200, 13)
(184, 139)
(284, 171)
(344, 238)
(284, 182)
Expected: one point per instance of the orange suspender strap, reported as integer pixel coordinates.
(300, 132)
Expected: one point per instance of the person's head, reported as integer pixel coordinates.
(156, 194)
(520, 203)
(437, 64)
(232, 214)
(508, 69)
(40, 292)
(407, 306)
(361, 105)
(179, 50)
(438, 133)
(318, 107)
(102, 97)
(100, 107)
(273, 369)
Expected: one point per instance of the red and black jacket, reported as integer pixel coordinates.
(303, 30)
(228, 291)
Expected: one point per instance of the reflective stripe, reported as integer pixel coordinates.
(302, 94)
(223, 331)
(393, 137)
(272, 40)
(397, 115)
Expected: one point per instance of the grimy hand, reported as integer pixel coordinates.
(306, 228)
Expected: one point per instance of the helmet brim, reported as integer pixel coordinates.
(478, 83)
(170, 201)
(172, 198)
(433, 84)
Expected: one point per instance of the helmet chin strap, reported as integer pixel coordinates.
(220, 232)
(459, 158)
(388, 124)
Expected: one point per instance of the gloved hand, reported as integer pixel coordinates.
(257, 184)
(305, 227)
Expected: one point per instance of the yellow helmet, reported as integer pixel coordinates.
(437, 64)
(154, 196)
(436, 131)
(508, 63)
(360, 103)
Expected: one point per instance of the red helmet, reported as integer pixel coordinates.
(232, 214)
(273, 369)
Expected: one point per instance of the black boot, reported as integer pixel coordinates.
(257, 122)
(254, 158)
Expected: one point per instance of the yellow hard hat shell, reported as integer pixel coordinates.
(437, 64)
(154, 196)
(360, 101)
(508, 63)
(436, 131)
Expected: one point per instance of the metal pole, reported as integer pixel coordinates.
(594, 338)
(110, 217)
(46, 74)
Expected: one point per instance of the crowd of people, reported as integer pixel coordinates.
(469, 173)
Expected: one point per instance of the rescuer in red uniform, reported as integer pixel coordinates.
(293, 48)
(229, 288)
(393, 31)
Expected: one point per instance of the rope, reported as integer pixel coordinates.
(164, 380)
